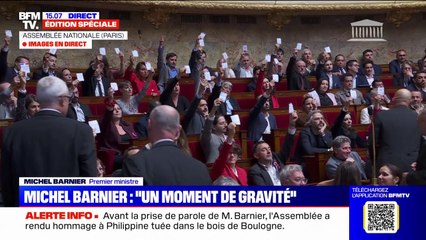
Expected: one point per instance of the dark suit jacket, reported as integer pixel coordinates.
(336, 80)
(395, 69)
(295, 82)
(166, 165)
(73, 114)
(166, 97)
(259, 176)
(309, 144)
(193, 122)
(337, 69)
(377, 70)
(6, 73)
(89, 84)
(413, 87)
(222, 108)
(257, 122)
(399, 81)
(39, 74)
(3, 65)
(397, 137)
(361, 81)
(47, 145)
(141, 126)
(418, 177)
(420, 63)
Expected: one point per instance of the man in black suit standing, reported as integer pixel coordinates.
(397, 135)
(418, 177)
(47, 145)
(165, 164)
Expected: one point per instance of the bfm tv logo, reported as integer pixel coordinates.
(29, 19)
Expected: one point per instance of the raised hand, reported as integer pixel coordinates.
(293, 118)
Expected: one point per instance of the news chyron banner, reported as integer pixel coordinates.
(66, 30)
(122, 207)
(111, 207)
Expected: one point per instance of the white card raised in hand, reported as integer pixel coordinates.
(290, 108)
(353, 94)
(8, 33)
(95, 126)
(225, 55)
(25, 68)
(52, 51)
(276, 60)
(279, 41)
(135, 53)
(148, 66)
(314, 94)
(202, 35)
(275, 77)
(381, 91)
(207, 76)
(117, 50)
(223, 96)
(201, 42)
(245, 48)
(236, 119)
(299, 46)
(187, 69)
(80, 77)
(268, 57)
(327, 49)
(102, 51)
(114, 86)
(224, 65)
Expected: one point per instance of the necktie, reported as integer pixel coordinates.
(302, 84)
(101, 94)
(341, 71)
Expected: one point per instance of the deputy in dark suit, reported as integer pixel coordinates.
(368, 56)
(8, 73)
(418, 177)
(314, 138)
(266, 162)
(395, 66)
(397, 135)
(229, 105)
(96, 82)
(165, 164)
(47, 145)
(48, 68)
(257, 123)
(358, 79)
(298, 80)
(266, 159)
(327, 73)
(78, 111)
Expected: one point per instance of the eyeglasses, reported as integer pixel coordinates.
(300, 180)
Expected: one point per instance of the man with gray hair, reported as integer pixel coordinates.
(165, 164)
(47, 145)
(342, 152)
(397, 136)
(292, 175)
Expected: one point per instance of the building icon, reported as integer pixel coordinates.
(367, 30)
